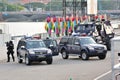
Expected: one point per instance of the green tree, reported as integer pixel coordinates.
(34, 5)
(54, 5)
(10, 7)
(14, 7)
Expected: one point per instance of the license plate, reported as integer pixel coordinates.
(100, 51)
(41, 56)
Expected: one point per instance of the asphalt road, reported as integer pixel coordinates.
(73, 67)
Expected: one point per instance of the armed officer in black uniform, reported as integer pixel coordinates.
(10, 47)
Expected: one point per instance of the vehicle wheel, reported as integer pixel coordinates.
(84, 55)
(19, 59)
(102, 56)
(27, 60)
(64, 55)
(49, 61)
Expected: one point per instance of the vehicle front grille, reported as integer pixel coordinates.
(40, 53)
(99, 48)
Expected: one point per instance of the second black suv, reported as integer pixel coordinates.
(84, 47)
(52, 44)
(33, 50)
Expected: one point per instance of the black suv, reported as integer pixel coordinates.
(33, 50)
(52, 44)
(84, 47)
(103, 31)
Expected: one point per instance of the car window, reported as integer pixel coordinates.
(70, 40)
(76, 40)
(35, 44)
(21, 43)
(81, 27)
(50, 42)
(87, 41)
(47, 42)
(63, 40)
(54, 43)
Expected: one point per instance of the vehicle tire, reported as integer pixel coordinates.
(84, 55)
(19, 59)
(64, 55)
(49, 61)
(27, 60)
(102, 56)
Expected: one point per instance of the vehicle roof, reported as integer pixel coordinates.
(35, 40)
(84, 37)
(30, 39)
(49, 39)
(77, 36)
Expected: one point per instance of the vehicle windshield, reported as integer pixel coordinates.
(85, 28)
(84, 41)
(50, 42)
(35, 44)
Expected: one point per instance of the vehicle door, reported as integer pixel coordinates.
(19, 48)
(76, 46)
(69, 45)
(54, 47)
(23, 49)
(63, 43)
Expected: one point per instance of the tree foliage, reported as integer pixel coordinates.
(34, 5)
(9, 7)
(55, 6)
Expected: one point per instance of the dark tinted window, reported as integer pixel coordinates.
(54, 43)
(85, 28)
(21, 43)
(35, 44)
(63, 40)
(76, 40)
(50, 42)
(70, 41)
(87, 41)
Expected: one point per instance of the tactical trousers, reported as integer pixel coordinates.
(8, 56)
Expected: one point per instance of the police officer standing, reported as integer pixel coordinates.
(10, 47)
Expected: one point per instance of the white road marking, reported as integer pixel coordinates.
(102, 75)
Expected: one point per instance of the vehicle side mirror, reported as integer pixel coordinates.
(22, 47)
(76, 43)
(118, 54)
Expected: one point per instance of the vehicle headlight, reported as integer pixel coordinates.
(49, 51)
(91, 48)
(31, 52)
